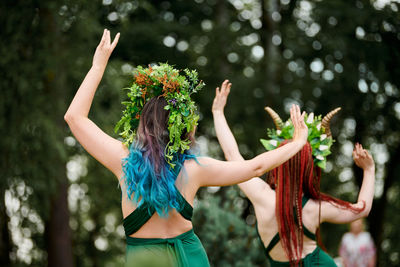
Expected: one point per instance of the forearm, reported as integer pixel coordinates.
(272, 159)
(82, 101)
(225, 137)
(262, 163)
(367, 189)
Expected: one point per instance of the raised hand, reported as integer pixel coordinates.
(104, 49)
(300, 128)
(362, 158)
(221, 95)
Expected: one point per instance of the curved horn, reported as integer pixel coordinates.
(326, 120)
(277, 120)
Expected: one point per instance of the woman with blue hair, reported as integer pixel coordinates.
(158, 175)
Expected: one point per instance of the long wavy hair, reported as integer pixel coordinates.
(291, 180)
(148, 177)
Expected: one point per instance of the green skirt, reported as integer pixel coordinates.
(184, 250)
(317, 258)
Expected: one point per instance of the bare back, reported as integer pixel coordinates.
(268, 226)
(174, 224)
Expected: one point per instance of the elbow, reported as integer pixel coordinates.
(366, 212)
(254, 168)
(68, 118)
(367, 209)
(259, 171)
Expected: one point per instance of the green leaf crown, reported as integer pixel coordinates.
(319, 136)
(176, 86)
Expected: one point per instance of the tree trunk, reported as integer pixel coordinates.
(58, 233)
(222, 19)
(268, 81)
(377, 215)
(59, 248)
(5, 242)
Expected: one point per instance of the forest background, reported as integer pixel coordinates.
(58, 207)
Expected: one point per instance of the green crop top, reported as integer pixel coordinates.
(275, 240)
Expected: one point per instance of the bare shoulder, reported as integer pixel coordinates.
(266, 199)
(312, 207)
(193, 168)
(267, 194)
(196, 165)
(311, 212)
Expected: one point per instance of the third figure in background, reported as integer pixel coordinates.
(357, 248)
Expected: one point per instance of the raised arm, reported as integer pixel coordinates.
(107, 150)
(213, 172)
(255, 187)
(333, 214)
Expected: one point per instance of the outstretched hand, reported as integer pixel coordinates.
(104, 49)
(300, 128)
(362, 158)
(221, 95)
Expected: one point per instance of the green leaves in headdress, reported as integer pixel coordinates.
(176, 87)
(319, 135)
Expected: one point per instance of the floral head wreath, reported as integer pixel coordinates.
(319, 134)
(176, 87)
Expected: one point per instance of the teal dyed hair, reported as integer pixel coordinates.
(144, 184)
(147, 175)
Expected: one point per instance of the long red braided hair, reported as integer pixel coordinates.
(291, 180)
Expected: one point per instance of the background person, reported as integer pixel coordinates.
(357, 247)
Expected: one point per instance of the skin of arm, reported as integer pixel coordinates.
(227, 173)
(110, 151)
(333, 214)
(101, 146)
(255, 188)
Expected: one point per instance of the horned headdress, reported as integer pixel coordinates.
(319, 134)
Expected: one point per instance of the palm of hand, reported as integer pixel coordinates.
(362, 158)
(221, 96)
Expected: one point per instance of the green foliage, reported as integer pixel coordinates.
(48, 51)
(163, 80)
(227, 238)
(319, 141)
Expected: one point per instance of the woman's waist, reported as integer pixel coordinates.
(277, 254)
(164, 228)
(135, 241)
(157, 227)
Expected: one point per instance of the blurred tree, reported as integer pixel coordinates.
(320, 54)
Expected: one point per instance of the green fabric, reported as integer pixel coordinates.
(308, 233)
(317, 258)
(271, 245)
(184, 250)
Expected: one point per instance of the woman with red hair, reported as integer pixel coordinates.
(290, 207)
